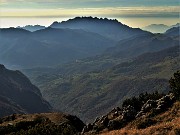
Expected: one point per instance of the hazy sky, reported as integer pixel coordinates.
(135, 13)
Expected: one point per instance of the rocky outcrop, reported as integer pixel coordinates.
(157, 106)
(119, 117)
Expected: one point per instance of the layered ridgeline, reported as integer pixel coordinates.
(61, 42)
(92, 91)
(48, 47)
(124, 50)
(18, 95)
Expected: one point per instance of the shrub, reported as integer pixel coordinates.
(137, 102)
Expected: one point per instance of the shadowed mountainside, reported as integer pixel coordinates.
(18, 95)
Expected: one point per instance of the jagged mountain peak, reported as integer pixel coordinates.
(112, 29)
(90, 19)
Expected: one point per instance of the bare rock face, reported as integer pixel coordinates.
(165, 102)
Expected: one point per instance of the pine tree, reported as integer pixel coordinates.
(175, 84)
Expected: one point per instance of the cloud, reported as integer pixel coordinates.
(169, 11)
(88, 3)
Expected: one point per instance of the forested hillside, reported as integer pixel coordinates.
(92, 93)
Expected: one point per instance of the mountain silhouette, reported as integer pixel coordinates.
(108, 28)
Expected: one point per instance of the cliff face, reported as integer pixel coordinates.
(18, 95)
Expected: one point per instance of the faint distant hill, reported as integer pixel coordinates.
(175, 31)
(32, 28)
(158, 28)
(109, 28)
(18, 95)
(176, 25)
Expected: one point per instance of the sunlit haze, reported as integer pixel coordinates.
(137, 13)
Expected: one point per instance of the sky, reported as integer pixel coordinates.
(135, 13)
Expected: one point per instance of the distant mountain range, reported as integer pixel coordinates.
(109, 28)
(61, 42)
(32, 28)
(89, 87)
(106, 27)
(72, 40)
(18, 95)
(159, 28)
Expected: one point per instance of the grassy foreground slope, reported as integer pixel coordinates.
(43, 124)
